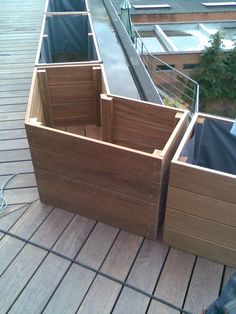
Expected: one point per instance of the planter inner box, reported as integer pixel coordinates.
(102, 156)
(67, 38)
(201, 203)
(66, 6)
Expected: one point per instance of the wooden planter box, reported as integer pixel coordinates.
(102, 156)
(65, 6)
(67, 38)
(201, 206)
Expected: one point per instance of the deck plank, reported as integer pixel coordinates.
(143, 275)
(53, 268)
(74, 286)
(173, 282)
(25, 227)
(204, 288)
(15, 155)
(29, 259)
(117, 264)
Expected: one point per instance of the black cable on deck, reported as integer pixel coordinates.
(123, 283)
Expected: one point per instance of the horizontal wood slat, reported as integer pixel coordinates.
(107, 158)
(104, 214)
(202, 247)
(202, 206)
(205, 182)
(201, 228)
(98, 175)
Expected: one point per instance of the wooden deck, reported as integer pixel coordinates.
(34, 280)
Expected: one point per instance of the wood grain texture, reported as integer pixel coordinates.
(75, 284)
(144, 274)
(117, 264)
(203, 288)
(139, 123)
(15, 155)
(25, 227)
(202, 206)
(211, 250)
(107, 118)
(173, 282)
(204, 182)
(201, 228)
(55, 267)
(28, 260)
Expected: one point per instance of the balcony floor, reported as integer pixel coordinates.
(34, 279)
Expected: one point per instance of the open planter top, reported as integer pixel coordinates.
(67, 38)
(66, 6)
(201, 203)
(105, 157)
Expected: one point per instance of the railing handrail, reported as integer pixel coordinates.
(145, 52)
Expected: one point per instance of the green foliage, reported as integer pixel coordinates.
(174, 102)
(216, 76)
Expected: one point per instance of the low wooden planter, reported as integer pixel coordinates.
(102, 156)
(201, 206)
(65, 6)
(67, 38)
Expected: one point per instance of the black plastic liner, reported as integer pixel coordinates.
(67, 40)
(212, 146)
(66, 5)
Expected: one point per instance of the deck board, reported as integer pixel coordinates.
(25, 270)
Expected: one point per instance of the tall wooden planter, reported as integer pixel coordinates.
(100, 155)
(201, 206)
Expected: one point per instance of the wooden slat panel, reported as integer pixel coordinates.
(117, 264)
(203, 182)
(202, 247)
(107, 158)
(110, 207)
(136, 122)
(143, 275)
(98, 175)
(74, 286)
(80, 112)
(107, 118)
(25, 227)
(71, 93)
(173, 282)
(28, 260)
(93, 131)
(13, 108)
(202, 206)
(68, 75)
(55, 267)
(203, 288)
(12, 116)
(154, 114)
(201, 228)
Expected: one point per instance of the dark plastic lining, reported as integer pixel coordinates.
(67, 40)
(212, 146)
(66, 5)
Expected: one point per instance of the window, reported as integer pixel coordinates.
(190, 66)
(165, 67)
(151, 6)
(218, 4)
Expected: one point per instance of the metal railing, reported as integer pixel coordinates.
(176, 88)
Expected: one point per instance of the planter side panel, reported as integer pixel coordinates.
(74, 94)
(201, 212)
(117, 186)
